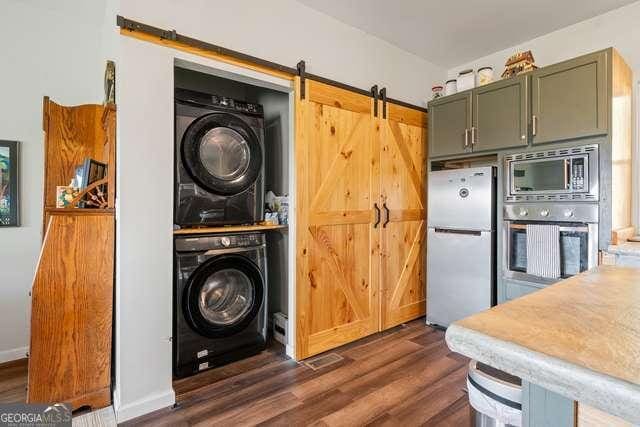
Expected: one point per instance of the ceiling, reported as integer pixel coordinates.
(451, 33)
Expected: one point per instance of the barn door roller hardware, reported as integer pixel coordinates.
(383, 95)
(127, 24)
(374, 94)
(174, 36)
(301, 73)
(130, 25)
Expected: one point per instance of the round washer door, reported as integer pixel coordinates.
(221, 153)
(223, 296)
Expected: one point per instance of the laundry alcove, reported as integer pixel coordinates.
(213, 87)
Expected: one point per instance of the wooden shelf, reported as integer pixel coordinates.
(78, 211)
(229, 229)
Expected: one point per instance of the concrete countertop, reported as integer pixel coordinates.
(579, 338)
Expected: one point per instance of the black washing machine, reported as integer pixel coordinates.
(220, 298)
(219, 160)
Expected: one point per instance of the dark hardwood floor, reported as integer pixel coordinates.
(405, 376)
(13, 381)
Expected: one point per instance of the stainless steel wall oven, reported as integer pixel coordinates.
(550, 197)
(577, 243)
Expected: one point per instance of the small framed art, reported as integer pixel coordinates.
(9, 200)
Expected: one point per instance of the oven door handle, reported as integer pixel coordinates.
(568, 229)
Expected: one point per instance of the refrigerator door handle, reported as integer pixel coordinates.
(454, 231)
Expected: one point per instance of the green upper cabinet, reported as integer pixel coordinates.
(500, 115)
(450, 125)
(569, 99)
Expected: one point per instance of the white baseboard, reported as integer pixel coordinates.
(142, 406)
(290, 351)
(13, 354)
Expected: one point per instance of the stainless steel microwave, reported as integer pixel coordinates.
(569, 174)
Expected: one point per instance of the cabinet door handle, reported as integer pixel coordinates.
(473, 136)
(534, 125)
(375, 224)
(386, 221)
(466, 138)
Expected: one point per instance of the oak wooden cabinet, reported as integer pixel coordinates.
(72, 292)
(360, 217)
(569, 99)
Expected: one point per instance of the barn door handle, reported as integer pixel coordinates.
(375, 206)
(386, 221)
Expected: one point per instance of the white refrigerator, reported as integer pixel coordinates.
(461, 264)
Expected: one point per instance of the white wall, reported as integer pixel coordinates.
(283, 31)
(618, 28)
(144, 221)
(49, 48)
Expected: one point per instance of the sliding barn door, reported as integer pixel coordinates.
(337, 160)
(403, 195)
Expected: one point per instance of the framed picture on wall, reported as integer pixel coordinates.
(9, 184)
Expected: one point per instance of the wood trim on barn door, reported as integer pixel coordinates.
(403, 196)
(337, 161)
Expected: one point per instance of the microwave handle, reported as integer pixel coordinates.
(567, 174)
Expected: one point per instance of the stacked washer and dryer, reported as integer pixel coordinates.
(220, 279)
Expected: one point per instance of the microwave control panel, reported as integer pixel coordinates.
(577, 174)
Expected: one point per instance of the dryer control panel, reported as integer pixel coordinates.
(219, 241)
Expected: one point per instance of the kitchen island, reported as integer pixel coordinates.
(578, 339)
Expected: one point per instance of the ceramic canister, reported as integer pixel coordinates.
(485, 75)
(466, 80)
(451, 87)
(436, 92)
